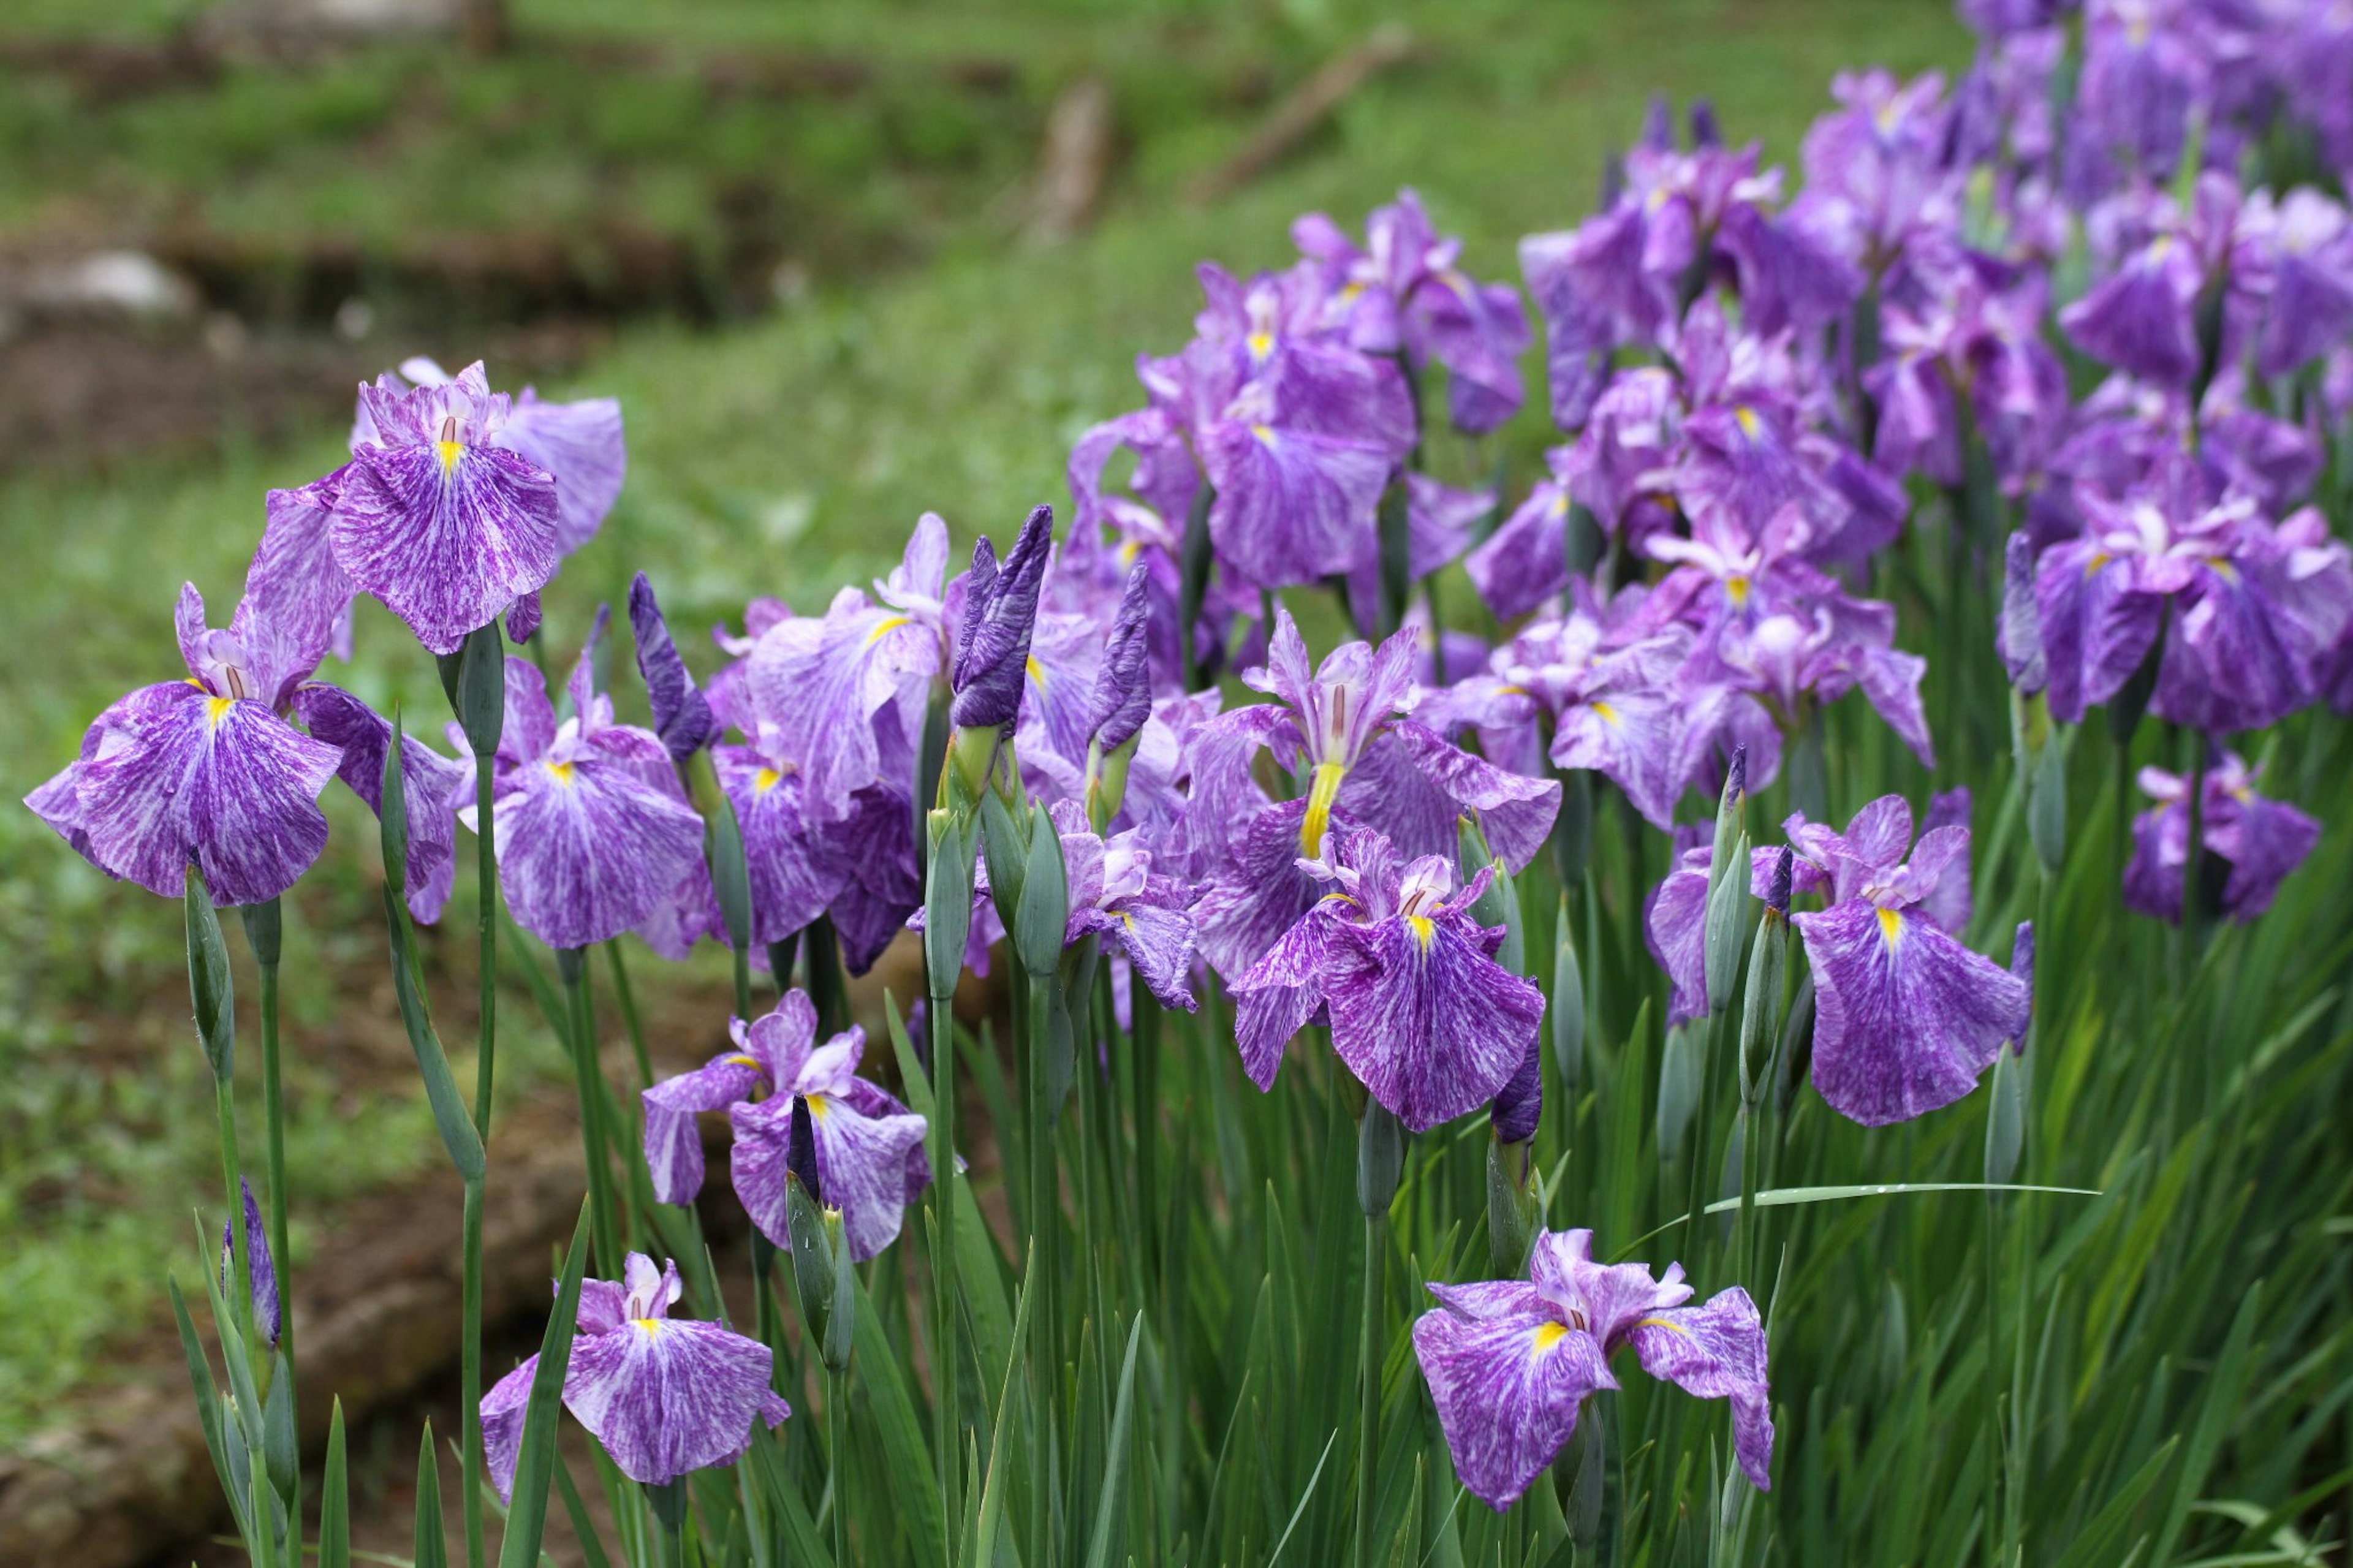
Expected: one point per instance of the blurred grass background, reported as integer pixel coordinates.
(789, 239)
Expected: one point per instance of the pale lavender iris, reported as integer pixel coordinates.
(2258, 841)
(594, 833)
(1420, 1012)
(1906, 1017)
(204, 771)
(1511, 1363)
(434, 786)
(870, 1147)
(663, 1395)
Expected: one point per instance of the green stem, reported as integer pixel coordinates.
(470, 1372)
(827, 989)
(273, 1115)
(241, 1275)
(486, 881)
(603, 1226)
(837, 1428)
(939, 1017)
(629, 1019)
(1369, 1377)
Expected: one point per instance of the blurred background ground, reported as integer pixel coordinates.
(841, 263)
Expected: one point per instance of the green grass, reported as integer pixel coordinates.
(787, 455)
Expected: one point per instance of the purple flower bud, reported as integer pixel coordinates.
(1122, 695)
(1520, 1106)
(261, 1269)
(800, 1150)
(2021, 964)
(1000, 612)
(1704, 130)
(683, 716)
(1735, 784)
(1778, 898)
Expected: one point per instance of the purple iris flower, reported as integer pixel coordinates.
(870, 1147)
(2253, 606)
(1420, 1011)
(1121, 701)
(1405, 293)
(2142, 76)
(1606, 684)
(664, 1395)
(1879, 182)
(1971, 338)
(2292, 257)
(204, 771)
(1343, 728)
(1906, 1017)
(1000, 615)
(1510, 1364)
(2261, 840)
(1778, 638)
(595, 835)
(438, 518)
(580, 443)
(843, 695)
(1140, 913)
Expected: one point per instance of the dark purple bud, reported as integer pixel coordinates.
(683, 716)
(1776, 895)
(1122, 697)
(1000, 610)
(919, 1030)
(800, 1152)
(1704, 130)
(262, 1271)
(2021, 964)
(1520, 1105)
(1736, 783)
(1658, 126)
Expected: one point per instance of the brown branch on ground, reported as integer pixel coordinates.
(1304, 108)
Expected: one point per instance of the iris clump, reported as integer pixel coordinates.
(2021, 404)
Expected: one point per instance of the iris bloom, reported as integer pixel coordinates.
(1906, 1018)
(1406, 293)
(594, 833)
(1420, 1011)
(1510, 1364)
(205, 770)
(2260, 840)
(870, 1147)
(1343, 727)
(1115, 893)
(664, 1395)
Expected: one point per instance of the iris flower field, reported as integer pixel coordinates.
(1449, 853)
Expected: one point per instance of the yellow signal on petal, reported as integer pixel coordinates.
(1547, 1336)
(816, 1105)
(1747, 419)
(1891, 926)
(1423, 931)
(650, 1325)
(560, 772)
(1037, 671)
(890, 624)
(1320, 796)
(449, 452)
(215, 710)
(765, 780)
(1606, 714)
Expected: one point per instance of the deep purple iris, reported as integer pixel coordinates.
(2259, 841)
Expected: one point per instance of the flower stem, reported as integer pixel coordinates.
(629, 1019)
(947, 1417)
(1368, 1374)
(837, 1426)
(603, 1227)
(486, 882)
(470, 1372)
